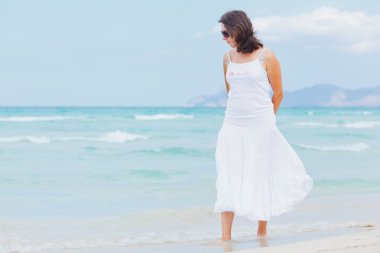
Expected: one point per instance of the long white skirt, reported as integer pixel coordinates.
(259, 175)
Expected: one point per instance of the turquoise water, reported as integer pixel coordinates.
(94, 177)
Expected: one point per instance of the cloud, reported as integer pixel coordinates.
(353, 31)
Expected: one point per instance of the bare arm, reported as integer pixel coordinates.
(273, 68)
(225, 64)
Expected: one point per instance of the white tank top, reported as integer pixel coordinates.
(249, 95)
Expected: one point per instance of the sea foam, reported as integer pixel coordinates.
(315, 124)
(163, 116)
(357, 124)
(356, 147)
(111, 137)
(362, 124)
(38, 118)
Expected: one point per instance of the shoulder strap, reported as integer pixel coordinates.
(261, 54)
(229, 56)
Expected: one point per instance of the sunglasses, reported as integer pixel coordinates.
(225, 34)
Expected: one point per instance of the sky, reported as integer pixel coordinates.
(164, 53)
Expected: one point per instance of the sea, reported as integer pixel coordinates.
(142, 179)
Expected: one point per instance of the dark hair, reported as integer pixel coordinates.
(239, 26)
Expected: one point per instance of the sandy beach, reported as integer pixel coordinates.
(364, 242)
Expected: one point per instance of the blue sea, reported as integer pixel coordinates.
(142, 179)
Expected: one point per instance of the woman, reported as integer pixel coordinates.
(259, 175)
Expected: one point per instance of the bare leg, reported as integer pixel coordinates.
(262, 228)
(227, 219)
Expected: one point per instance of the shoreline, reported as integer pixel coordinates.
(367, 241)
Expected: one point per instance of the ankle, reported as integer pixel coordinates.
(226, 237)
(261, 233)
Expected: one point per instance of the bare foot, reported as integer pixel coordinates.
(226, 244)
(261, 234)
(226, 238)
(263, 241)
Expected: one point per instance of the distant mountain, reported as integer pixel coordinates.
(316, 95)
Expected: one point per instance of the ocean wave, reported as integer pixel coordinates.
(315, 124)
(345, 113)
(39, 118)
(163, 116)
(28, 138)
(362, 124)
(358, 124)
(111, 137)
(356, 147)
(366, 113)
(174, 151)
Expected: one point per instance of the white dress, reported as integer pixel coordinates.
(259, 175)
